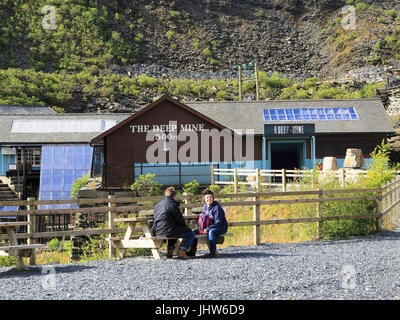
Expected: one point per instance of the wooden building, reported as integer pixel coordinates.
(178, 141)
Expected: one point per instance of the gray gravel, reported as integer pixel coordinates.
(306, 270)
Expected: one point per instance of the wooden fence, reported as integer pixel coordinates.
(276, 179)
(387, 199)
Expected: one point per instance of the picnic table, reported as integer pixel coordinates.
(16, 250)
(147, 240)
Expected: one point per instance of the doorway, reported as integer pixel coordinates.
(286, 155)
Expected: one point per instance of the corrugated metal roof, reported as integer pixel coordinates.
(49, 133)
(242, 115)
(5, 109)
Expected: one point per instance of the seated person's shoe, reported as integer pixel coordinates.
(210, 255)
(182, 254)
(170, 253)
(191, 253)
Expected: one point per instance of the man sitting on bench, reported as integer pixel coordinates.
(217, 223)
(168, 221)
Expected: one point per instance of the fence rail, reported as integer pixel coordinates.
(257, 178)
(387, 200)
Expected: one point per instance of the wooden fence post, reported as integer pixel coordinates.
(112, 252)
(258, 180)
(212, 174)
(256, 218)
(188, 211)
(284, 180)
(31, 230)
(343, 178)
(320, 216)
(235, 180)
(379, 209)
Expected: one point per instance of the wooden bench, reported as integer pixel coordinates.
(16, 250)
(147, 241)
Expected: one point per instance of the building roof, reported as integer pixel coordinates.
(244, 115)
(5, 109)
(55, 128)
(209, 119)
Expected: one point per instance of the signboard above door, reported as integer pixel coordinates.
(289, 130)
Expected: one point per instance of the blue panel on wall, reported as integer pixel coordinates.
(62, 165)
(8, 209)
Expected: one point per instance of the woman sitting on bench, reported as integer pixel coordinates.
(217, 224)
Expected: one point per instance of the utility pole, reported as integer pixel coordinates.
(240, 82)
(257, 85)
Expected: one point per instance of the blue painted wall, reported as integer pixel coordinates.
(5, 160)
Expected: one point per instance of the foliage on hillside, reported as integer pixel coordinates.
(29, 87)
(84, 35)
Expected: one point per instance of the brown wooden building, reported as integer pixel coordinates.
(178, 141)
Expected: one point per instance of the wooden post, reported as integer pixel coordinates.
(257, 84)
(212, 174)
(320, 227)
(188, 211)
(284, 180)
(379, 209)
(343, 178)
(258, 180)
(240, 82)
(31, 230)
(235, 180)
(111, 224)
(256, 218)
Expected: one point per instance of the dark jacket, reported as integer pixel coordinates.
(168, 219)
(216, 214)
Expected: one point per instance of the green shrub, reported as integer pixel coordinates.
(216, 189)
(54, 244)
(147, 184)
(191, 187)
(79, 183)
(259, 13)
(391, 13)
(174, 14)
(146, 81)
(361, 6)
(206, 52)
(170, 34)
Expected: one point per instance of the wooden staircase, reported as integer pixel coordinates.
(6, 193)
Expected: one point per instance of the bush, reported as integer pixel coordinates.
(54, 244)
(191, 187)
(215, 188)
(79, 183)
(379, 173)
(147, 184)
(391, 13)
(361, 6)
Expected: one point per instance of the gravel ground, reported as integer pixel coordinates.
(306, 270)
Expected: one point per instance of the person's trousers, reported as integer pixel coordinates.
(187, 243)
(213, 233)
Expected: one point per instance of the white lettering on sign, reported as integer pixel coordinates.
(282, 130)
(144, 128)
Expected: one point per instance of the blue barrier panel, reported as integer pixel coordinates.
(2, 218)
(62, 165)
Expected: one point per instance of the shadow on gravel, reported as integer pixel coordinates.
(245, 255)
(37, 270)
(384, 235)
